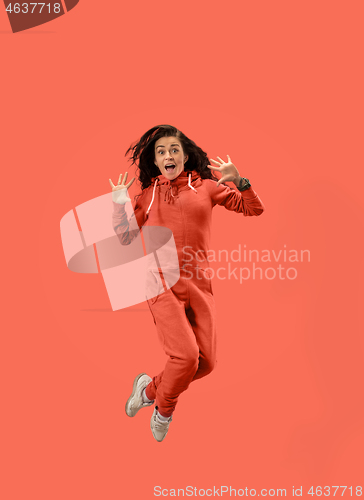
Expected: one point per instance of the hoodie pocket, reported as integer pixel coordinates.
(207, 273)
(150, 308)
(154, 286)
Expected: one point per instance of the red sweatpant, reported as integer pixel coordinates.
(185, 319)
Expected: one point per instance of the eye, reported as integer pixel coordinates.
(160, 152)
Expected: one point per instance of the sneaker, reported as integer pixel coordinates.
(135, 401)
(159, 427)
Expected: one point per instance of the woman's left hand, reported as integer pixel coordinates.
(228, 170)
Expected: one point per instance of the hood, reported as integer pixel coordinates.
(181, 180)
(185, 180)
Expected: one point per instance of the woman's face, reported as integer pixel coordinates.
(169, 157)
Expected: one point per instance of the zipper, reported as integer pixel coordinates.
(185, 243)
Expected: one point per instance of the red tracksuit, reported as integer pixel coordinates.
(185, 313)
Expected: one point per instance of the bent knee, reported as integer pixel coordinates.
(189, 360)
(207, 366)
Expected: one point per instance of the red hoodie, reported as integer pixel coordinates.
(184, 205)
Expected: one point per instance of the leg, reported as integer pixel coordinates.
(202, 317)
(179, 343)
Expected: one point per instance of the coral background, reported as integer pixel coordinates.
(277, 85)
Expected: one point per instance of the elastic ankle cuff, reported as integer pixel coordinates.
(147, 393)
(165, 415)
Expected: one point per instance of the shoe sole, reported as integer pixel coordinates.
(135, 383)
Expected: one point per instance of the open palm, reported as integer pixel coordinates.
(228, 170)
(119, 192)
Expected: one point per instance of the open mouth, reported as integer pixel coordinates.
(170, 167)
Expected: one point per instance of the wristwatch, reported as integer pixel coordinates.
(246, 186)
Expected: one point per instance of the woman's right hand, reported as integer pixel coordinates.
(119, 192)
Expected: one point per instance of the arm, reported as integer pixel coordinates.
(243, 200)
(246, 202)
(126, 230)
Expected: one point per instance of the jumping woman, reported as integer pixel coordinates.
(179, 191)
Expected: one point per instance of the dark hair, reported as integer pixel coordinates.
(142, 154)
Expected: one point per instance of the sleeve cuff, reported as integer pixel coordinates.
(118, 208)
(247, 194)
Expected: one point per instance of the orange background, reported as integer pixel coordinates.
(277, 85)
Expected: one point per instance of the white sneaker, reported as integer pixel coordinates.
(159, 427)
(135, 401)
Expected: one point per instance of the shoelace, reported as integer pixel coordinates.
(161, 425)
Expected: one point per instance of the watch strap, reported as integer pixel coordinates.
(242, 187)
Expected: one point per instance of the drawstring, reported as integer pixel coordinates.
(189, 183)
(150, 206)
(168, 194)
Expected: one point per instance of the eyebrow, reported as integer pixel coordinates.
(161, 145)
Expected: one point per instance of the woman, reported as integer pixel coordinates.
(178, 191)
